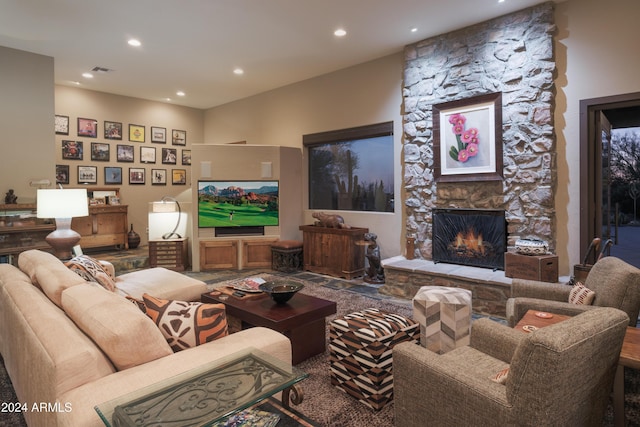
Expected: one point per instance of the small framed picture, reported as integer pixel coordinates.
(136, 133)
(113, 200)
(147, 154)
(169, 156)
(62, 174)
(186, 157)
(112, 175)
(62, 125)
(95, 201)
(158, 177)
(158, 135)
(72, 150)
(136, 175)
(100, 152)
(179, 137)
(112, 130)
(87, 127)
(178, 176)
(124, 153)
(87, 175)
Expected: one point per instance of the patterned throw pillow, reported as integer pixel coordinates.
(187, 324)
(91, 270)
(501, 377)
(580, 294)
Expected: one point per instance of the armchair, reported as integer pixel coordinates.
(615, 283)
(558, 375)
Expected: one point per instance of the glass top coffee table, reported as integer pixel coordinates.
(207, 394)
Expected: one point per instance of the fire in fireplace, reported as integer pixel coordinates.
(474, 237)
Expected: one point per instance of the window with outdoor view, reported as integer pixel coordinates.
(351, 169)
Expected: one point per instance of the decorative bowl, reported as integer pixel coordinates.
(281, 291)
(532, 247)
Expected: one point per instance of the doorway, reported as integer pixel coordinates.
(607, 202)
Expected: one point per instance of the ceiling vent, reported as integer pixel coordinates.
(101, 70)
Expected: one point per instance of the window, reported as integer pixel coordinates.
(351, 169)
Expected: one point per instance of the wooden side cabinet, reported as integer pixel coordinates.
(219, 254)
(106, 225)
(256, 253)
(20, 231)
(171, 253)
(334, 251)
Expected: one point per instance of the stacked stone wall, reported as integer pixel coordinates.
(513, 55)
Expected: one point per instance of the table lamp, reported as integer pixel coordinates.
(169, 205)
(62, 205)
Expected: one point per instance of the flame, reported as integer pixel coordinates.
(470, 241)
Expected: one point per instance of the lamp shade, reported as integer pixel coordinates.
(62, 203)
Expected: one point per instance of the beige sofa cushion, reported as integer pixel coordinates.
(119, 328)
(160, 283)
(49, 273)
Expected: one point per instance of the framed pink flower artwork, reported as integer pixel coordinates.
(467, 139)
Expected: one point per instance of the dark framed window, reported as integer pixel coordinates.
(351, 169)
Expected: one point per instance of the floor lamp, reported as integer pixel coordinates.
(62, 205)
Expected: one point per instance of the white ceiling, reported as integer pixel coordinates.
(194, 45)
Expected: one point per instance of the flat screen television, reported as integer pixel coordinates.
(231, 204)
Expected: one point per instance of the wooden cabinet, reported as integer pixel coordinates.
(106, 225)
(223, 254)
(256, 253)
(172, 254)
(334, 251)
(20, 230)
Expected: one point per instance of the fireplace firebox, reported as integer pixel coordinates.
(473, 237)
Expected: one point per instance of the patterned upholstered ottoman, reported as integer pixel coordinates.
(444, 315)
(360, 347)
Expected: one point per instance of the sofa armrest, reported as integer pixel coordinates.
(109, 268)
(497, 340)
(542, 290)
(517, 308)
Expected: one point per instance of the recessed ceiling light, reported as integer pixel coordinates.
(180, 93)
(238, 71)
(87, 75)
(168, 99)
(134, 42)
(414, 29)
(340, 32)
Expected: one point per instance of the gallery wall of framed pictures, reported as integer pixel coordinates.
(109, 153)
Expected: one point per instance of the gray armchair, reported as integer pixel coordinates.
(615, 283)
(558, 375)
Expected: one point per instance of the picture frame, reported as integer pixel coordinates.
(112, 130)
(147, 154)
(62, 174)
(61, 125)
(87, 175)
(178, 137)
(100, 152)
(72, 150)
(124, 153)
(112, 175)
(113, 200)
(158, 177)
(95, 201)
(136, 133)
(178, 176)
(158, 135)
(169, 156)
(136, 176)
(186, 157)
(87, 127)
(467, 139)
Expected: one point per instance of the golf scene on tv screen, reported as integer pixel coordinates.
(237, 203)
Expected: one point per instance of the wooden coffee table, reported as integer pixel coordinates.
(301, 319)
(629, 357)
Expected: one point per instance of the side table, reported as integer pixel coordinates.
(171, 254)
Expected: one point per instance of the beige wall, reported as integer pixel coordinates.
(74, 102)
(596, 53)
(26, 121)
(361, 95)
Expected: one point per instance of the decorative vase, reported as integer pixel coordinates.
(133, 238)
(411, 247)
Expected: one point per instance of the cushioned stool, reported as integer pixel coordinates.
(444, 315)
(360, 348)
(286, 256)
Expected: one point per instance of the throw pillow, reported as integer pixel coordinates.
(501, 377)
(91, 270)
(187, 324)
(580, 294)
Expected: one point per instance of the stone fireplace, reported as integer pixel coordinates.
(513, 55)
(470, 237)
